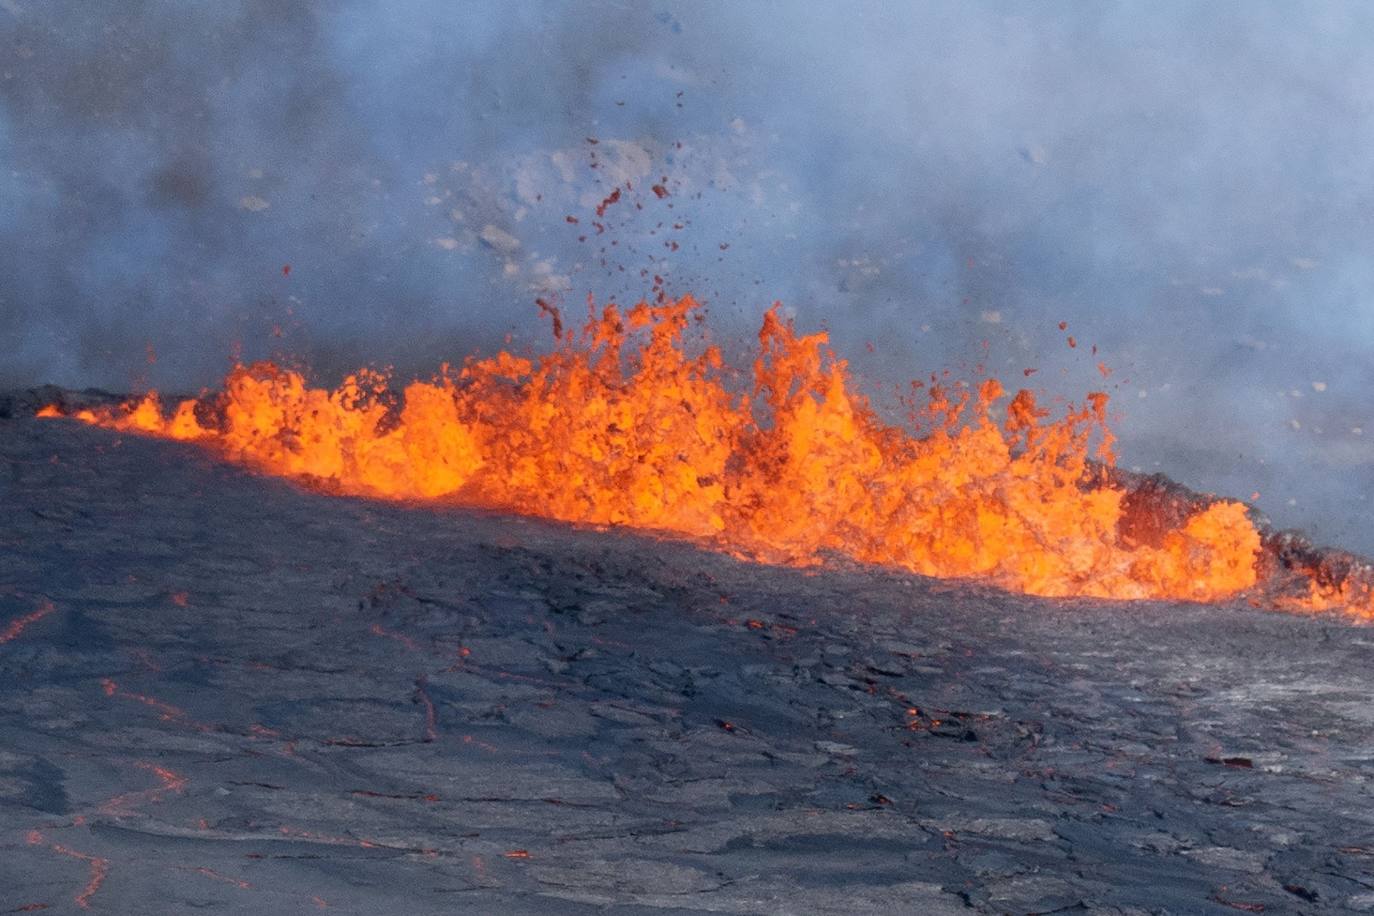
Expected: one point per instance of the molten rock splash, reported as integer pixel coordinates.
(622, 425)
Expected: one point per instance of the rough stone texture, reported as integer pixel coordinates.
(221, 692)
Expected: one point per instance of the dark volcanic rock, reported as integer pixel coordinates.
(221, 691)
(26, 402)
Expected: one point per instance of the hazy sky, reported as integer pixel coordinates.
(1188, 185)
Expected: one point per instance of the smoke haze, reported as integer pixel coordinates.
(1187, 185)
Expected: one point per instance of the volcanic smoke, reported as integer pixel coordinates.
(627, 423)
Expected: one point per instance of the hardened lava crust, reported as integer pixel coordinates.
(225, 691)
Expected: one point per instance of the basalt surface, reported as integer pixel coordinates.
(225, 692)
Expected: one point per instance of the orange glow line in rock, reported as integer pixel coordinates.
(129, 802)
(328, 839)
(166, 711)
(99, 868)
(216, 876)
(378, 630)
(628, 423)
(17, 627)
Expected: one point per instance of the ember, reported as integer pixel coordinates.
(625, 425)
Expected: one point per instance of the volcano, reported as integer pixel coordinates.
(223, 689)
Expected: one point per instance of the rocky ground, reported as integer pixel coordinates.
(225, 692)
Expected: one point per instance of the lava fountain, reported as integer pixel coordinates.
(625, 422)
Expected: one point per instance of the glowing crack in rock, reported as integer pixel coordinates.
(128, 803)
(15, 628)
(99, 868)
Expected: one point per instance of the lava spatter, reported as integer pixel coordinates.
(628, 423)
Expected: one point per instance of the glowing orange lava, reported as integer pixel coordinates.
(626, 424)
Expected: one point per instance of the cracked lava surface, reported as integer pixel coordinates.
(221, 691)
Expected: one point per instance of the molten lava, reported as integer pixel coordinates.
(625, 424)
